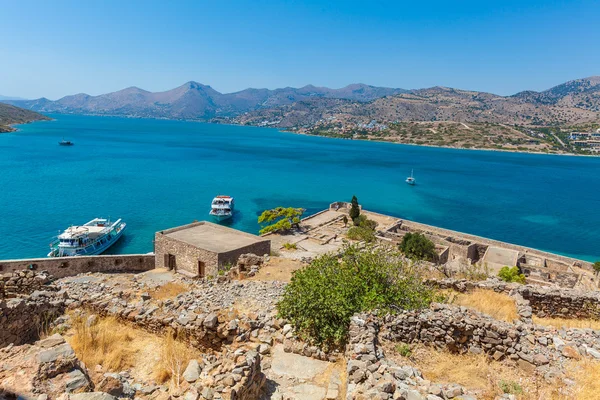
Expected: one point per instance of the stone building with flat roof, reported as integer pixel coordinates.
(202, 248)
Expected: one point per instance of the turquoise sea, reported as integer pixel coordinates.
(157, 174)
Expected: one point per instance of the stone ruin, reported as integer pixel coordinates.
(247, 266)
(236, 344)
(460, 252)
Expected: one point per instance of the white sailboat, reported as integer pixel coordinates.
(411, 180)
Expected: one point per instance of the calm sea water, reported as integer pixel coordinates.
(158, 174)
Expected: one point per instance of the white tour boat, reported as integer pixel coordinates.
(222, 207)
(92, 238)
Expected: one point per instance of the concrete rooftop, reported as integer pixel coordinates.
(213, 237)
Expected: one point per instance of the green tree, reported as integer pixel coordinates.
(417, 247)
(596, 266)
(513, 274)
(280, 219)
(322, 297)
(354, 209)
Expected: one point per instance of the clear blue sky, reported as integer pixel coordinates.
(55, 48)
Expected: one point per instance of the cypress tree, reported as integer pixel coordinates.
(354, 209)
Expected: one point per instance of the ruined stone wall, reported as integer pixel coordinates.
(20, 283)
(538, 275)
(562, 303)
(542, 301)
(22, 320)
(371, 375)
(186, 256)
(453, 328)
(231, 257)
(60, 267)
(252, 378)
(552, 260)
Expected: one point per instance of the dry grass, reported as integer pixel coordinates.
(585, 373)
(117, 346)
(498, 305)
(277, 269)
(488, 379)
(174, 358)
(567, 323)
(106, 342)
(168, 291)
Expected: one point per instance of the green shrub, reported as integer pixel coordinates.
(360, 233)
(510, 387)
(513, 274)
(364, 222)
(364, 229)
(597, 266)
(290, 246)
(322, 297)
(417, 247)
(404, 350)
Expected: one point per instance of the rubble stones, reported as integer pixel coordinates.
(192, 372)
(46, 367)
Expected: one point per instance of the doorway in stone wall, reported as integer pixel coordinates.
(171, 262)
(201, 269)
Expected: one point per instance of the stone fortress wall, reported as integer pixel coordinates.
(60, 267)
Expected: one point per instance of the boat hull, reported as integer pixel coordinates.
(221, 217)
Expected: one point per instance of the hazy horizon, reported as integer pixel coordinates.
(64, 48)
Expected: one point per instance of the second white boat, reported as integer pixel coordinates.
(221, 207)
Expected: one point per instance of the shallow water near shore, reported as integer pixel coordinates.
(157, 174)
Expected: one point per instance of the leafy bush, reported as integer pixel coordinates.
(513, 274)
(417, 247)
(364, 229)
(364, 222)
(290, 246)
(322, 297)
(597, 266)
(360, 233)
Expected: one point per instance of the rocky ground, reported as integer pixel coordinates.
(235, 346)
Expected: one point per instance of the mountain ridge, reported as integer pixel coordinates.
(570, 102)
(194, 100)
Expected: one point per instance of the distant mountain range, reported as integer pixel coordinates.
(3, 98)
(573, 102)
(14, 115)
(196, 101)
